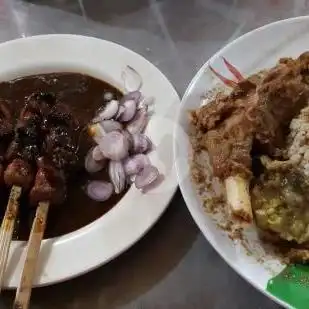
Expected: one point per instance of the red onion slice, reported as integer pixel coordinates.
(134, 95)
(141, 143)
(139, 122)
(111, 125)
(146, 177)
(91, 165)
(146, 101)
(97, 154)
(117, 176)
(129, 111)
(99, 191)
(120, 112)
(114, 146)
(135, 164)
(132, 80)
(108, 111)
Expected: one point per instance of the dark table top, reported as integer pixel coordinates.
(173, 266)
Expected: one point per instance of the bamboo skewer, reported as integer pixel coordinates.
(24, 289)
(7, 228)
(238, 197)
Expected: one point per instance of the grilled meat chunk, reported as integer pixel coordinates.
(19, 173)
(49, 184)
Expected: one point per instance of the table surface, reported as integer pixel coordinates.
(173, 266)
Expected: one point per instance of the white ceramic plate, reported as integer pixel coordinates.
(250, 53)
(85, 249)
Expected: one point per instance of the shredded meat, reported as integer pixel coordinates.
(254, 117)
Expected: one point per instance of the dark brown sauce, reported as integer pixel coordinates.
(84, 95)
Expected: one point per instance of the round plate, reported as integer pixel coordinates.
(250, 53)
(97, 243)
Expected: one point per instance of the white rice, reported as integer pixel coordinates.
(298, 140)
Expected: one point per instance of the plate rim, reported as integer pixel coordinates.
(194, 213)
(41, 280)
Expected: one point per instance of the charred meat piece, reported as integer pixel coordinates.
(61, 149)
(60, 158)
(61, 115)
(38, 104)
(59, 137)
(61, 142)
(29, 130)
(19, 173)
(27, 141)
(65, 158)
(49, 185)
(6, 122)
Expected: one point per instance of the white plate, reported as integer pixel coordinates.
(256, 50)
(93, 245)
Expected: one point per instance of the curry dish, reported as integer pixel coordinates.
(257, 139)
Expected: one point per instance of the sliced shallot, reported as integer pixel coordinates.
(129, 111)
(146, 177)
(140, 143)
(139, 122)
(117, 175)
(129, 138)
(131, 79)
(120, 112)
(99, 190)
(91, 165)
(135, 164)
(111, 125)
(108, 111)
(97, 154)
(114, 146)
(134, 95)
(146, 101)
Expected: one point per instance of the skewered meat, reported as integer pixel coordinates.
(27, 141)
(38, 104)
(61, 115)
(60, 149)
(61, 142)
(49, 184)
(26, 146)
(19, 173)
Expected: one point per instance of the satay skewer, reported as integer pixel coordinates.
(18, 175)
(7, 228)
(24, 289)
(49, 189)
